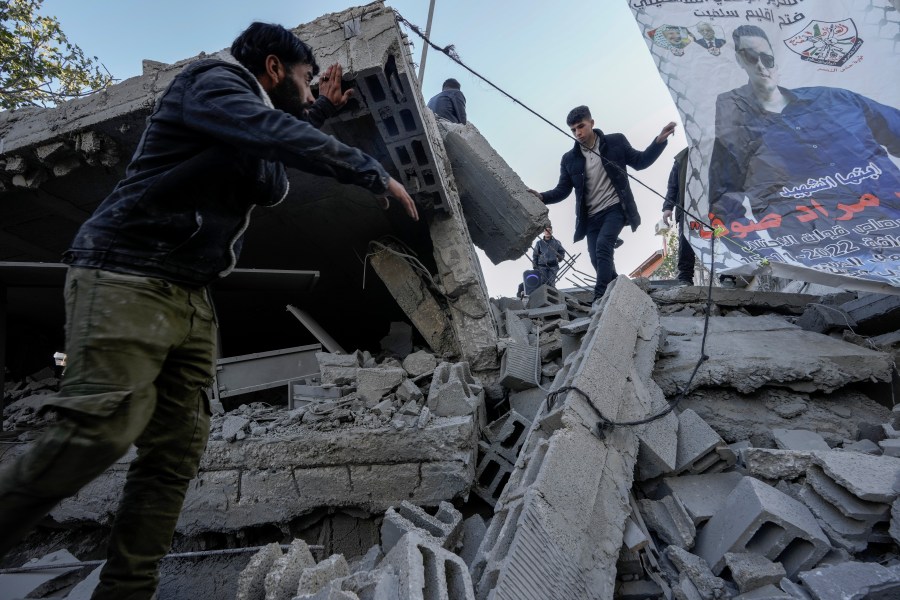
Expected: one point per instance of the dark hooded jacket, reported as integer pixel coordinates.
(213, 148)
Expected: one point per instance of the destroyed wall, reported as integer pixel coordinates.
(58, 164)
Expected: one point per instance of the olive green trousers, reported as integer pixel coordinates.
(141, 353)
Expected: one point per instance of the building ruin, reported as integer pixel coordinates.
(395, 433)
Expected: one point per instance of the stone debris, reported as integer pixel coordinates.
(521, 450)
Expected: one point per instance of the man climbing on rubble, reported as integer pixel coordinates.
(595, 169)
(141, 333)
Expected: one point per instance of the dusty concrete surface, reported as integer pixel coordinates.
(510, 449)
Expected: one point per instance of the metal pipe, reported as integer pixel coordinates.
(425, 44)
(198, 554)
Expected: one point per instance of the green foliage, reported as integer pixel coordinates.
(669, 267)
(38, 65)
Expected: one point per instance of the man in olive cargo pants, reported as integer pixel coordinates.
(140, 332)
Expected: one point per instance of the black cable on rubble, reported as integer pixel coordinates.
(604, 422)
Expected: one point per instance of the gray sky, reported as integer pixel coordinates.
(552, 56)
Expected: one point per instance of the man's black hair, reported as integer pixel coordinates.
(579, 113)
(450, 84)
(748, 31)
(260, 40)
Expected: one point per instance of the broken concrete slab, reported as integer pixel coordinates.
(742, 356)
(799, 439)
(669, 519)
(737, 417)
(773, 301)
(503, 218)
(874, 313)
(852, 581)
(707, 585)
(845, 501)
(872, 478)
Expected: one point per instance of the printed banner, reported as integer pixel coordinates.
(790, 108)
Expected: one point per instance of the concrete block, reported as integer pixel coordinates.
(372, 584)
(507, 434)
(314, 578)
(442, 529)
(454, 392)
(895, 521)
(864, 446)
(517, 328)
(852, 580)
(428, 571)
(751, 571)
(874, 313)
(473, 531)
(303, 394)
(503, 218)
(284, 576)
(701, 495)
(790, 303)
(771, 464)
(707, 585)
(408, 392)
(550, 313)
(419, 362)
(519, 366)
(890, 447)
(758, 518)
(697, 444)
(527, 402)
(544, 296)
(339, 369)
(374, 384)
(872, 478)
(843, 500)
(492, 473)
(824, 319)
(670, 521)
(252, 580)
(799, 439)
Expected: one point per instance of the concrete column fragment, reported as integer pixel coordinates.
(503, 218)
(758, 518)
(415, 298)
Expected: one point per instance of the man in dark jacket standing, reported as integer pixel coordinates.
(548, 253)
(675, 201)
(140, 332)
(450, 104)
(595, 169)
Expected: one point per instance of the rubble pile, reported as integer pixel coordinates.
(22, 403)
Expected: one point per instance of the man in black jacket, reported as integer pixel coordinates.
(604, 204)
(450, 104)
(675, 201)
(140, 331)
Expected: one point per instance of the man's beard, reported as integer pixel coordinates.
(286, 96)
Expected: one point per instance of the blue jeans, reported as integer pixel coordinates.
(602, 230)
(141, 353)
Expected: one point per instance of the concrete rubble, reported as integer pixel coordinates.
(506, 448)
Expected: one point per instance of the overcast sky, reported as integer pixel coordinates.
(552, 56)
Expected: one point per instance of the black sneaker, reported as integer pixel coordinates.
(619, 242)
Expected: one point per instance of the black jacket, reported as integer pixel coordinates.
(450, 104)
(213, 148)
(675, 190)
(617, 154)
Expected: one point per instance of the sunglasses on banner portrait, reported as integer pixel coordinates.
(751, 57)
